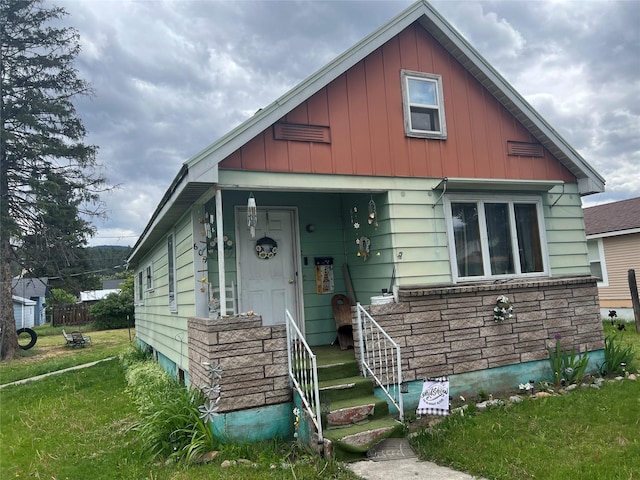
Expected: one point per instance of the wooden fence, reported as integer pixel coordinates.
(66, 315)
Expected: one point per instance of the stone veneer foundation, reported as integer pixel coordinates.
(450, 330)
(253, 360)
(446, 330)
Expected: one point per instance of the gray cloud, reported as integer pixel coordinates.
(173, 76)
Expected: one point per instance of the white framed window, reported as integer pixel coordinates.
(148, 285)
(597, 261)
(139, 287)
(171, 268)
(493, 237)
(423, 105)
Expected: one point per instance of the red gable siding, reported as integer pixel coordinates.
(363, 109)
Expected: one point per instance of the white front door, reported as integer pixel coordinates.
(268, 283)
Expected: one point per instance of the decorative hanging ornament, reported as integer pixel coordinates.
(266, 248)
(373, 214)
(364, 247)
(354, 218)
(252, 215)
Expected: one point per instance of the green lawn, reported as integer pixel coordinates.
(75, 426)
(586, 434)
(51, 353)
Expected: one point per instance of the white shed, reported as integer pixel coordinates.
(23, 312)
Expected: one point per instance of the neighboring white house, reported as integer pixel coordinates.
(34, 289)
(23, 312)
(95, 295)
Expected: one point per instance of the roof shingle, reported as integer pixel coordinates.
(612, 217)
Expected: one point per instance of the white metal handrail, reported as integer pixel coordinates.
(303, 372)
(380, 357)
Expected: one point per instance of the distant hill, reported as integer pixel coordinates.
(108, 260)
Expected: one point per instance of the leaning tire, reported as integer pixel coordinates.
(32, 334)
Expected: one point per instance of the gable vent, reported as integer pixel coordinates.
(524, 149)
(301, 133)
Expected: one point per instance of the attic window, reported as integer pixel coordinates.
(524, 149)
(423, 105)
(301, 133)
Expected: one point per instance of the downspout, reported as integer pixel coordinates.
(220, 235)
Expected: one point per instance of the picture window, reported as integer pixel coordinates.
(495, 238)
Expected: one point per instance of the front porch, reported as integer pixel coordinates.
(440, 331)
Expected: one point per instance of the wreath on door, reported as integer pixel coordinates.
(266, 248)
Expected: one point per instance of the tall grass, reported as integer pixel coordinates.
(170, 425)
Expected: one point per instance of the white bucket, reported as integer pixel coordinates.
(381, 299)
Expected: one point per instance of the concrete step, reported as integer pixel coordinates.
(359, 438)
(344, 388)
(354, 410)
(338, 370)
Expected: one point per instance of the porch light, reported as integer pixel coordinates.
(252, 215)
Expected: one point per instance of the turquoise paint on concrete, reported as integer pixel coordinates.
(306, 429)
(168, 365)
(499, 379)
(256, 424)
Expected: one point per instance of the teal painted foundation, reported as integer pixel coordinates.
(168, 365)
(492, 380)
(256, 424)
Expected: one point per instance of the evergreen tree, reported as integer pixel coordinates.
(49, 178)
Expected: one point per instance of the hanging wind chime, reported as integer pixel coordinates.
(252, 215)
(373, 214)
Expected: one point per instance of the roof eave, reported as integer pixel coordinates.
(187, 187)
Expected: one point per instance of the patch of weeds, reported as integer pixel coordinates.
(133, 354)
(483, 395)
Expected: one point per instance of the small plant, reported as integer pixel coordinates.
(567, 367)
(483, 395)
(616, 356)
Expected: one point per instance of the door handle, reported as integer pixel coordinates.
(290, 281)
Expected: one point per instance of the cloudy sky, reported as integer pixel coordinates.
(171, 76)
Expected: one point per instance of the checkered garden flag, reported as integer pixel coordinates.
(434, 399)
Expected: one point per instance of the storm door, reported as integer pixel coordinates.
(267, 272)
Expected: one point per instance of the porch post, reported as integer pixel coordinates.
(220, 235)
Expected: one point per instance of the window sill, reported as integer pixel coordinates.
(430, 135)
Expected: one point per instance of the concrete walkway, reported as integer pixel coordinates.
(44, 375)
(394, 459)
(405, 469)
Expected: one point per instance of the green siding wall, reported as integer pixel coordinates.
(566, 239)
(411, 234)
(156, 325)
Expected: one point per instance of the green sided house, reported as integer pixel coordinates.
(407, 184)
